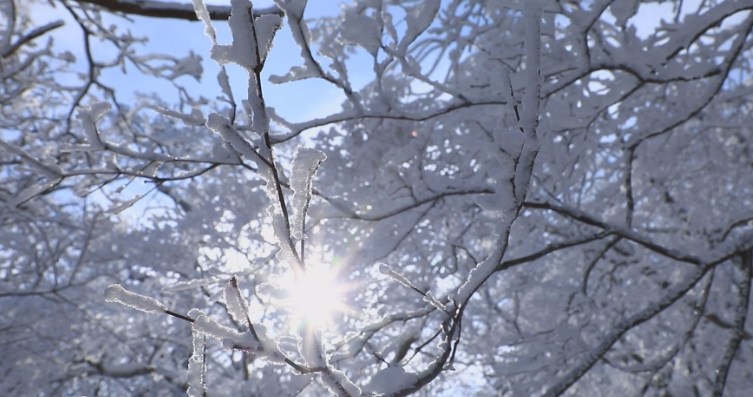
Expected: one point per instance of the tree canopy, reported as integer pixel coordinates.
(524, 198)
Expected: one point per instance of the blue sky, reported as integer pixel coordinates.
(296, 101)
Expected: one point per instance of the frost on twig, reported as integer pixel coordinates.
(196, 118)
(191, 284)
(362, 31)
(271, 293)
(196, 366)
(46, 167)
(528, 123)
(224, 82)
(336, 382)
(124, 205)
(234, 303)
(88, 115)
(229, 336)
(294, 10)
(391, 380)
(29, 193)
(387, 271)
(305, 164)
(254, 340)
(221, 126)
(430, 299)
(418, 19)
(203, 14)
(252, 38)
(116, 293)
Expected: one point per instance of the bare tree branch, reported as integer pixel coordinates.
(159, 9)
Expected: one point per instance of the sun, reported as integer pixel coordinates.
(316, 296)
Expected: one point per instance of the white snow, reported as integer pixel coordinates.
(212, 328)
(244, 50)
(224, 81)
(191, 284)
(391, 380)
(195, 375)
(305, 164)
(510, 140)
(294, 10)
(256, 111)
(27, 194)
(203, 14)
(336, 382)
(196, 118)
(118, 294)
(622, 10)
(195, 313)
(235, 306)
(221, 126)
(418, 20)
(529, 118)
(269, 292)
(266, 26)
(189, 65)
(430, 299)
(295, 73)
(46, 167)
(124, 205)
(88, 115)
(387, 271)
(362, 31)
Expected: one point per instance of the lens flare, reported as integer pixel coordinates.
(316, 297)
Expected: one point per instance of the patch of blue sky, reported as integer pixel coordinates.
(296, 101)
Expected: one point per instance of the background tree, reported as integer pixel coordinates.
(526, 199)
